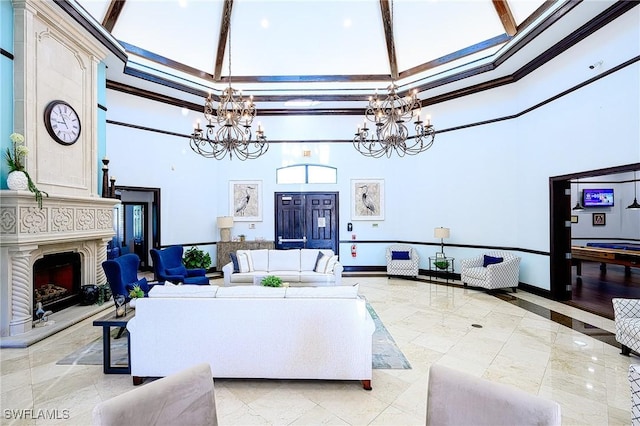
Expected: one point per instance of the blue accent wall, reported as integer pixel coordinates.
(102, 120)
(6, 84)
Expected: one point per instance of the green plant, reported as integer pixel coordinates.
(104, 293)
(196, 258)
(15, 157)
(271, 281)
(442, 264)
(136, 292)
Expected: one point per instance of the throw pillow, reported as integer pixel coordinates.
(331, 264)
(321, 263)
(490, 260)
(320, 256)
(400, 255)
(244, 261)
(234, 260)
(178, 270)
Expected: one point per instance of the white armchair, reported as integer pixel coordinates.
(634, 383)
(402, 260)
(626, 314)
(480, 271)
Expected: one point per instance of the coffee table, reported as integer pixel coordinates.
(107, 322)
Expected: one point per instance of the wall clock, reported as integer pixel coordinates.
(62, 122)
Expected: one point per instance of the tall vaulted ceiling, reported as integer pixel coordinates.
(331, 53)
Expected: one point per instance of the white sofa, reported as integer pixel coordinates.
(253, 332)
(298, 267)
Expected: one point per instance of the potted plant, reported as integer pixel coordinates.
(442, 264)
(135, 293)
(104, 293)
(18, 178)
(196, 258)
(271, 281)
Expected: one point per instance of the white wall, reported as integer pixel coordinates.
(488, 183)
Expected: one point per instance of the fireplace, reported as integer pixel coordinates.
(56, 280)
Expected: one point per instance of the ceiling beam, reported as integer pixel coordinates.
(113, 12)
(387, 26)
(225, 26)
(505, 15)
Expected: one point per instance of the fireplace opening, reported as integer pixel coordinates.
(57, 281)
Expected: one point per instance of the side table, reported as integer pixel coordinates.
(441, 264)
(107, 322)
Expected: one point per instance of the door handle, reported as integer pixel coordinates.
(292, 240)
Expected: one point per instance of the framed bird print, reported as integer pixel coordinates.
(367, 199)
(245, 197)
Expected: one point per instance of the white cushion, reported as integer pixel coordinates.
(326, 263)
(308, 258)
(183, 291)
(284, 260)
(333, 292)
(251, 291)
(260, 259)
(245, 261)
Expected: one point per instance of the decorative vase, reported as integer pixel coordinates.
(89, 294)
(132, 303)
(17, 180)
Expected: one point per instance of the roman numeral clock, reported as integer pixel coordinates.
(62, 122)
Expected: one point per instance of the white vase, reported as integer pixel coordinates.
(132, 303)
(17, 180)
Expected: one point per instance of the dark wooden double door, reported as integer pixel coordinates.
(306, 220)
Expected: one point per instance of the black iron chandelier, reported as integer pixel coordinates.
(234, 117)
(389, 116)
(391, 134)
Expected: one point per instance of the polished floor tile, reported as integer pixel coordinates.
(540, 346)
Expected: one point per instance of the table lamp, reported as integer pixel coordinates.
(225, 223)
(441, 233)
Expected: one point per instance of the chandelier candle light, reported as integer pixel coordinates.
(234, 117)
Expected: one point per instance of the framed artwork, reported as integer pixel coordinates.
(574, 219)
(367, 199)
(598, 219)
(245, 200)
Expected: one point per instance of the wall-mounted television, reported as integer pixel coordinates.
(597, 197)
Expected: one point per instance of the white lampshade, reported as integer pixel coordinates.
(441, 232)
(225, 222)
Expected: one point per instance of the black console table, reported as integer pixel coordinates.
(107, 322)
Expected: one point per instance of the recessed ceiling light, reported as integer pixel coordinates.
(301, 103)
(347, 23)
(264, 23)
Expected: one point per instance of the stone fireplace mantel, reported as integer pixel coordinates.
(65, 223)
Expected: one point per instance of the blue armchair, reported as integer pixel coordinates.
(167, 266)
(122, 275)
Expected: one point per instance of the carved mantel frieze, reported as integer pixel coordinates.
(60, 219)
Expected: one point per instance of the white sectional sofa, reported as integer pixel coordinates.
(253, 332)
(298, 267)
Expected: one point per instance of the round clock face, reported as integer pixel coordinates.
(62, 122)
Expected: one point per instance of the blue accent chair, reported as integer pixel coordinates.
(168, 266)
(122, 275)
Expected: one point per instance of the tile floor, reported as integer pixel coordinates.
(431, 323)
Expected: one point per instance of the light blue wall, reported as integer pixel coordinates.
(6, 84)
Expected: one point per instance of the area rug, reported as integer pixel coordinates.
(386, 354)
